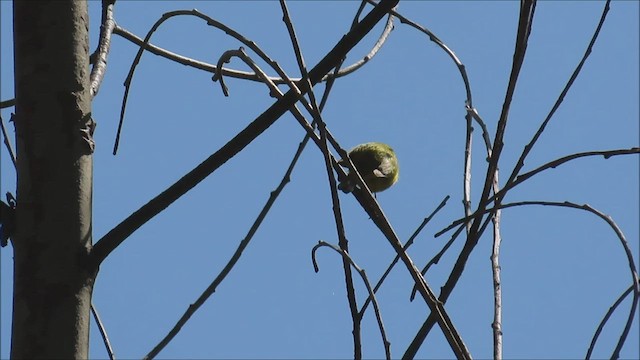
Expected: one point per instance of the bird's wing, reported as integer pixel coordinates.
(385, 168)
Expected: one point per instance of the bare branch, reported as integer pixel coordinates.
(434, 260)
(210, 21)
(104, 44)
(527, 9)
(7, 141)
(200, 65)
(344, 244)
(206, 294)
(118, 234)
(560, 99)
(497, 283)
(103, 332)
(371, 206)
(7, 103)
(372, 296)
(406, 246)
(286, 178)
(625, 245)
(550, 165)
(374, 50)
(606, 318)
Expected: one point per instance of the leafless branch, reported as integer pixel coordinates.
(344, 244)
(200, 65)
(7, 142)
(374, 50)
(372, 296)
(230, 264)
(7, 103)
(557, 162)
(440, 315)
(104, 44)
(560, 99)
(103, 332)
(406, 246)
(276, 93)
(497, 283)
(434, 260)
(118, 234)
(550, 165)
(606, 317)
(627, 250)
(210, 21)
(527, 10)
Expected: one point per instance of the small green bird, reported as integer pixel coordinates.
(377, 164)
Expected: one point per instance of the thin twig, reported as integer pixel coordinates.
(550, 165)
(232, 261)
(104, 44)
(406, 246)
(7, 103)
(461, 68)
(286, 178)
(371, 206)
(309, 128)
(119, 233)
(560, 99)
(344, 244)
(365, 279)
(240, 53)
(472, 113)
(527, 10)
(434, 260)
(627, 250)
(557, 162)
(187, 61)
(374, 50)
(210, 21)
(7, 142)
(103, 332)
(201, 65)
(604, 320)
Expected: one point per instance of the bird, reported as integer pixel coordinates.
(377, 164)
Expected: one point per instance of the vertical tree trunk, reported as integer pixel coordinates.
(52, 278)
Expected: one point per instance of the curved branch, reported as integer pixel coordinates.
(201, 65)
(625, 245)
(365, 279)
(560, 99)
(374, 50)
(187, 61)
(527, 10)
(550, 165)
(605, 319)
(119, 233)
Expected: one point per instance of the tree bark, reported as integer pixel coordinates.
(53, 280)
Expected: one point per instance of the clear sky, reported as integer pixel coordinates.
(562, 269)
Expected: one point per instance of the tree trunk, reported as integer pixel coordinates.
(53, 280)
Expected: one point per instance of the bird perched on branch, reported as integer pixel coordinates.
(377, 164)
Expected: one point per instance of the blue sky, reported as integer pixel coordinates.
(561, 269)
